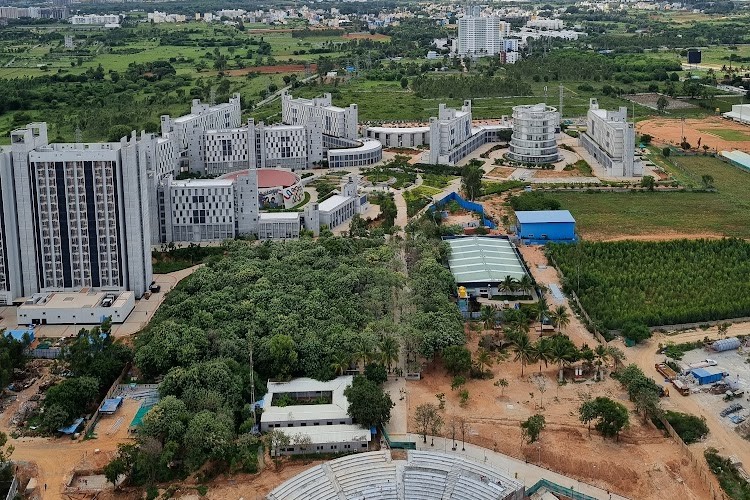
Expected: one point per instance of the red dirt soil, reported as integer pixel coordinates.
(271, 70)
(668, 130)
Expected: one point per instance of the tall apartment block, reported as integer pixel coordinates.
(481, 36)
(74, 215)
(610, 139)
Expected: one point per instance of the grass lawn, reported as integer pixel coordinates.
(728, 134)
(725, 212)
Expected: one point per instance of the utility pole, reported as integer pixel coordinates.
(252, 378)
(561, 101)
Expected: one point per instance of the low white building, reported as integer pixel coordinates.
(399, 137)
(328, 439)
(740, 113)
(96, 19)
(87, 307)
(278, 225)
(305, 402)
(545, 24)
(610, 140)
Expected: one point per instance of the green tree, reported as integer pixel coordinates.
(404, 83)
(471, 180)
(117, 132)
(636, 332)
(424, 419)
(560, 317)
(612, 417)
(282, 349)
(488, 316)
(457, 359)
(524, 349)
(648, 182)
(661, 104)
(389, 350)
(502, 383)
(369, 405)
(562, 352)
(375, 372)
(532, 428)
(209, 435)
(707, 181)
(340, 363)
(542, 351)
(484, 359)
(277, 440)
(588, 412)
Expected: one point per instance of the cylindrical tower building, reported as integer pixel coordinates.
(533, 139)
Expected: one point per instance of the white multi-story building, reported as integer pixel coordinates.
(533, 140)
(449, 129)
(545, 24)
(336, 121)
(479, 36)
(610, 139)
(188, 131)
(75, 216)
(96, 19)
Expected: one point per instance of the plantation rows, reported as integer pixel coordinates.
(658, 283)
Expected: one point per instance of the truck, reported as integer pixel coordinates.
(681, 387)
(666, 371)
(703, 364)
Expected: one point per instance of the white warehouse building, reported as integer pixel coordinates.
(740, 113)
(534, 129)
(610, 139)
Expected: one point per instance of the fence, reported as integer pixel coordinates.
(557, 489)
(52, 353)
(699, 465)
(398, 445)
(466, 205)
(13, 491)
(110, 393)
(572, 295)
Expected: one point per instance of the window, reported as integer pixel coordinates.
(329, 423)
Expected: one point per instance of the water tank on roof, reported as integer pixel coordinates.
(726, 344)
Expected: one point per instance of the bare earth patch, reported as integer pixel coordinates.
(668, 131)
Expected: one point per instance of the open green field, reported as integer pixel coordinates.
(725, 212)
(718, 55)
(728, 134)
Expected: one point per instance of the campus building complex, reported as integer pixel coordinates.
(74, 216)
(610, 140)
(78, 217)
(336, 122)
(533, 140)
(452, 136)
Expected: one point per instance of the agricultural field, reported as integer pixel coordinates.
(658, 283)
(726, 212)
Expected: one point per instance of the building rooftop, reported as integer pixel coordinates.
(278, 216)
(337, 409)
(739, 157)
(194, 183)
(334, 202)
(542, 216)
(267, 177)
(340, 433)
(486, 260)
(86, 298)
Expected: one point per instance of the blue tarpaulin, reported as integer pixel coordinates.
(109, 406)
(19, 334)
(72, 428)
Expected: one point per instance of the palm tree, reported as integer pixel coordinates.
(340, 363)
(484, 358)
(525, 284)
(488, 314)
(389, 348)
(560, 317)
(563, 352)
(523, 348)
(502, 384)
(365, 350)
(602, 353)
(616, 354)
(542, 311)
(509, 285)
(542, 350)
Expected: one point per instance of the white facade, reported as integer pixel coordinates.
(740, 113)
(545, 24)
(96, 19)
(449, 129)
(306, 415)
(278, 225)
(368, 152)
(610, 139)
(480, 36)
(69, 308)
(533, 140)
(201, 209)
(75, 215)
(336, 121)
(188, 131)
(339, 208)
(399, 137)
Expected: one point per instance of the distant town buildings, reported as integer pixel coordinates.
(610, 140)
(96, 19)
(485, 36)
(157, 17)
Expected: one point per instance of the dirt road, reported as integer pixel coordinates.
(720, 436)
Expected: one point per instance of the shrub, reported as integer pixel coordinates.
(690, 428)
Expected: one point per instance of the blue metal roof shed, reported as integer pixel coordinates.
(707, 375)
(546, 225)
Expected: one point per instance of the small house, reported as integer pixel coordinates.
(539, 227)
(708, 375)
